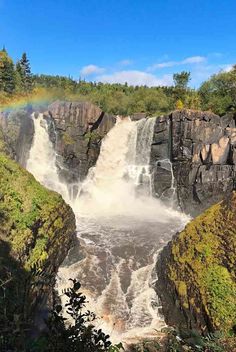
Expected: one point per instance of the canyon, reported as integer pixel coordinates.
(132, 184)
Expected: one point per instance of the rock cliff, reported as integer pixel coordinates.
(202, 149)
(37, 228)
(17, 131)
(76, 130)
(193, 153)
(196, 271)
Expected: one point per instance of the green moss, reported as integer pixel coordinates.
(92, 136)
(221, 295)
(182, 288)
(31, 215)
(203, 263)
(67, 139)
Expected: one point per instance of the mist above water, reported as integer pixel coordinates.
(121, 227)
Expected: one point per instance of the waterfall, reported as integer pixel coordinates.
(120, 227)
(168, 196)
(139, 168)
(42, 158)
(122, 169)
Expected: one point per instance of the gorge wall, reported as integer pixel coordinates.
(76, 130)
(201, 147)
(193, 153)
(17, 131)
(196, 272)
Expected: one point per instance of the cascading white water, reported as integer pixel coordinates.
(120, 228)
(171, 193)
(42, 158)
(139, 154)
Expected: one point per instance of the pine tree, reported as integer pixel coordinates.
(24, 75)
(7, 72)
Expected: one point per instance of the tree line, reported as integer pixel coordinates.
(15, 77)
(217, 94)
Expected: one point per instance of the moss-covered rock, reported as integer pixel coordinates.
(197, 271)
(36, 226)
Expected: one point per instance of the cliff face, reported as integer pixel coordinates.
(17, 132)
(193, 153)
(197, 271)
(202, 149)
(76, 130)
(37, 228)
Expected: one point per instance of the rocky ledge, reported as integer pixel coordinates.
(196, 272)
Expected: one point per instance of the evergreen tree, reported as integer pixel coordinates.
(7, 72)
(24, 75)
(181, 79)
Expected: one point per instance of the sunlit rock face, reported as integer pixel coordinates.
(196, 271)
(201, 148)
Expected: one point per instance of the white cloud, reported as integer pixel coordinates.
(135, 78)
(126, 62)
(163, 65)
(193, 60)
(91, 69)
(203, 72)
(228, 68)
(188, 60)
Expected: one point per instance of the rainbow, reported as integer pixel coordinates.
(38, 98)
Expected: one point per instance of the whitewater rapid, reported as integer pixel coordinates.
(120, 226)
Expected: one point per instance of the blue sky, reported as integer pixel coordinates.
(138, 41)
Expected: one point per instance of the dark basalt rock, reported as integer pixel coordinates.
(76, 130)
(202, 149)
(18, 130)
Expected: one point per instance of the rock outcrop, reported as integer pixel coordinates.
(199, 150)
(76, 130)
(37, 228)
(197, 272)
(17, 131)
